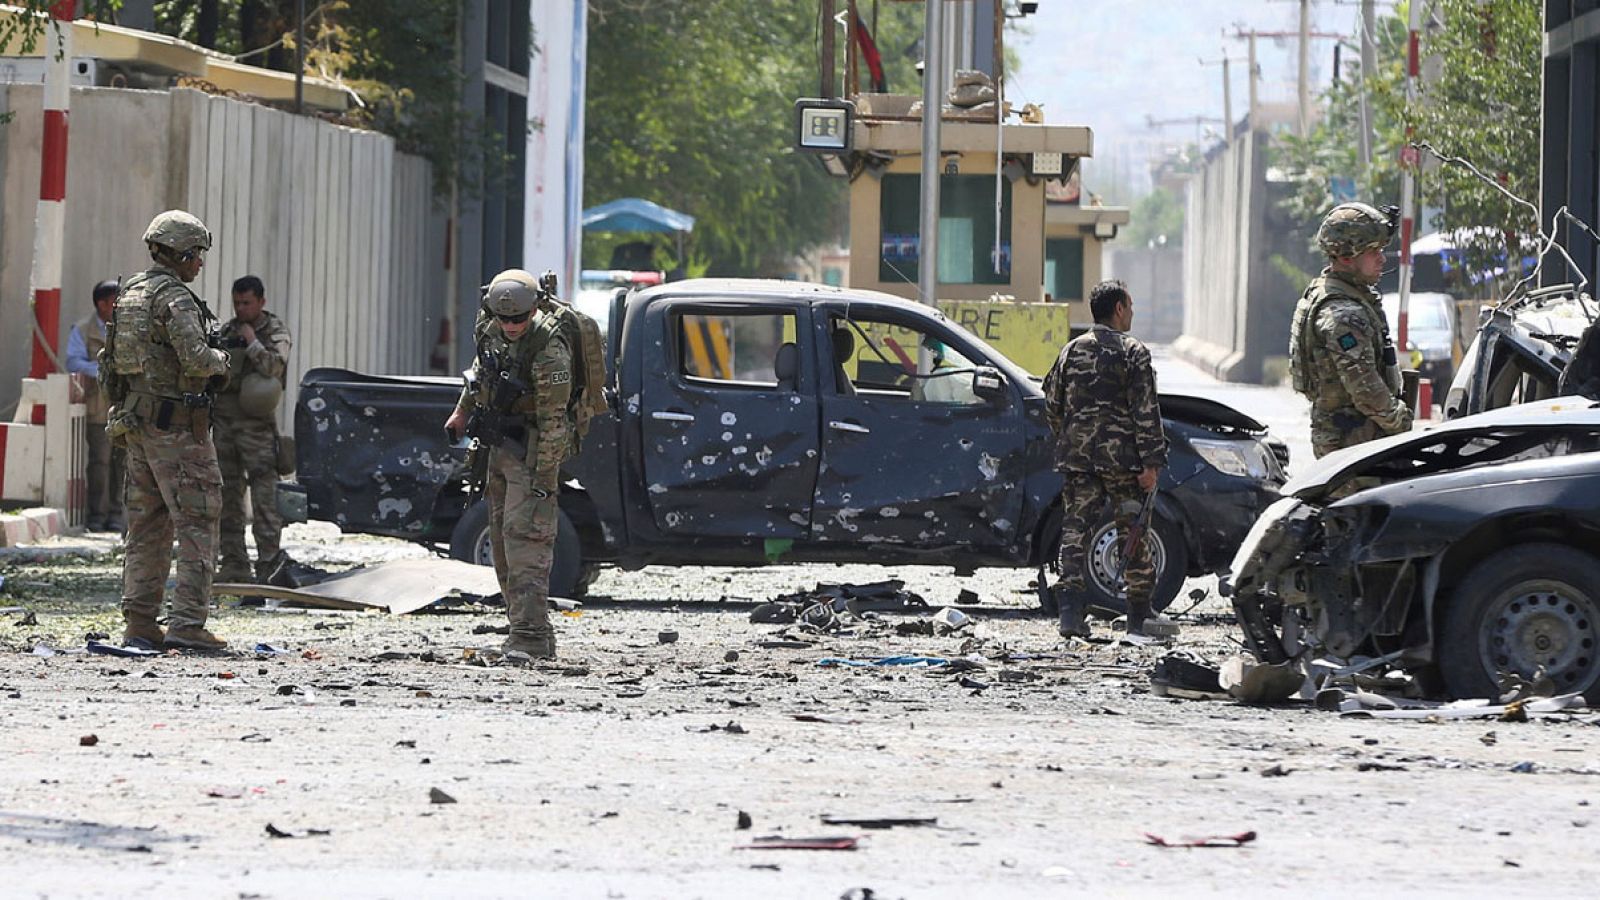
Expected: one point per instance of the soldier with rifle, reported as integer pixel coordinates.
(513, 410)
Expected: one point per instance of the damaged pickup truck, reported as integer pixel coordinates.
(758, 421)
(1462, 554)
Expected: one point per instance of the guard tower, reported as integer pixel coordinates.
(1012, 265)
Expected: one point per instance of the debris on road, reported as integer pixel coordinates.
(914, 661)
(779, 842)
(1227, 840)
(399, 586)
(276, 832)
(881, 823)
(1184, 674)
(437, 796)
(88, 740)
(743, 822)
(102, 649)
(730, 728)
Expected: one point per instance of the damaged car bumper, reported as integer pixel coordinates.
(1472, 553)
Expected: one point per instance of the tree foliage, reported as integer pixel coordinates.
(1478, 100)
(691, 105)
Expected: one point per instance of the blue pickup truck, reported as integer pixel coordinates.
(759, 421)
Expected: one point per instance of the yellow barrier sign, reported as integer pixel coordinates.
(1029, 334)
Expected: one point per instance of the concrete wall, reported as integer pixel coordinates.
(1155, 278)
(340, 227)
(1237, 299)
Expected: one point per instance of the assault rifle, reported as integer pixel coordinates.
(1135, 534)
(492, 423)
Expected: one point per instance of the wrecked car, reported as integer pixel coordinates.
(764, 421)
(1521, 351)
(1462, 554)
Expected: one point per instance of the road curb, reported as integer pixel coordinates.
(31, 526)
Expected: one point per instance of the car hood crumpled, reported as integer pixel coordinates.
(1437, 449)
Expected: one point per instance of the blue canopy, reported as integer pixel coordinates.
(635, 214)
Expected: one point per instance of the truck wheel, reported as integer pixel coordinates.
(1167, 551)
(569, 576)
(1526, 607)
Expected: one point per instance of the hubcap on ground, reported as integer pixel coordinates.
(1105, 555)
(1543, 623)
(483, 553)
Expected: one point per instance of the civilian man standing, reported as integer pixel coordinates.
(105, 462)
(1100, 401)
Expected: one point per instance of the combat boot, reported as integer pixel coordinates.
(1137, 616)
(193, 637)
(141, 632)
(535, 647)
(1071, 605)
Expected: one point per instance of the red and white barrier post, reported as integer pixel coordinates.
(50, 218)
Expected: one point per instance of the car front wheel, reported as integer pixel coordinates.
(569, 576)
(1528, 607)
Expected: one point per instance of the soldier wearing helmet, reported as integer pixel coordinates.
(160, 371)
(246, 414)
(1341, 356)
(522, 375)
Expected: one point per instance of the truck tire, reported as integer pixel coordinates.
(1171, 556)
(1527, 606)
(569, 576)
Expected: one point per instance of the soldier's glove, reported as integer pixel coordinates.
(1397, 420)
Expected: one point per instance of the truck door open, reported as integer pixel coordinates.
(730, 432)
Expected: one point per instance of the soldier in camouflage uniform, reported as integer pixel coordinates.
(1340, 353)
(522, 345)
(161, 376)
(258, 345)
(1100, 400)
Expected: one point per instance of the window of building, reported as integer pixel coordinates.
(966, 230)
(1063, 268)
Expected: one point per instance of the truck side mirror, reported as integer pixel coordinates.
(988, 383)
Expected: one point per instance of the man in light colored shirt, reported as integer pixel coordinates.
(104, 466)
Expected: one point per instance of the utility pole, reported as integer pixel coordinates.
(1227, 96)
(50, 213)
(932, 114)
(1241, 33)
(1304, 117)
(1369, 64)
(1410, 159)
(828, 52)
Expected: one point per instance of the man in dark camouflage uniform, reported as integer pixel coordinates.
(258, 345)
(1340, 354)
(1100, 400)
(522, 345)
(162, 376)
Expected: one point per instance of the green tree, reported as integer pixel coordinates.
(1482, 106)
(690, 104)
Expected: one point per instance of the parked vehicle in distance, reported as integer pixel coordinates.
(1474, 554)
(1430, 333)
(758, 421)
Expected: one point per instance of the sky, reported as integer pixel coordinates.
(1110, 64)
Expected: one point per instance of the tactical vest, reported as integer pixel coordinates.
(139, 348)
(588, 361)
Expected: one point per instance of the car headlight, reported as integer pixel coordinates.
(1242, 459)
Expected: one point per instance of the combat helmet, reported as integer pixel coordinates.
(1351, 229)
(178, 231)
(513, 292)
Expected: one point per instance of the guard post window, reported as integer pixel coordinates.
(966, 230)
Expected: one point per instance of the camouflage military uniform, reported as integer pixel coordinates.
(523, 481)
(1340, 340)
(173, 484)
(247, 451)
(1100, 400)
(1340, 354)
